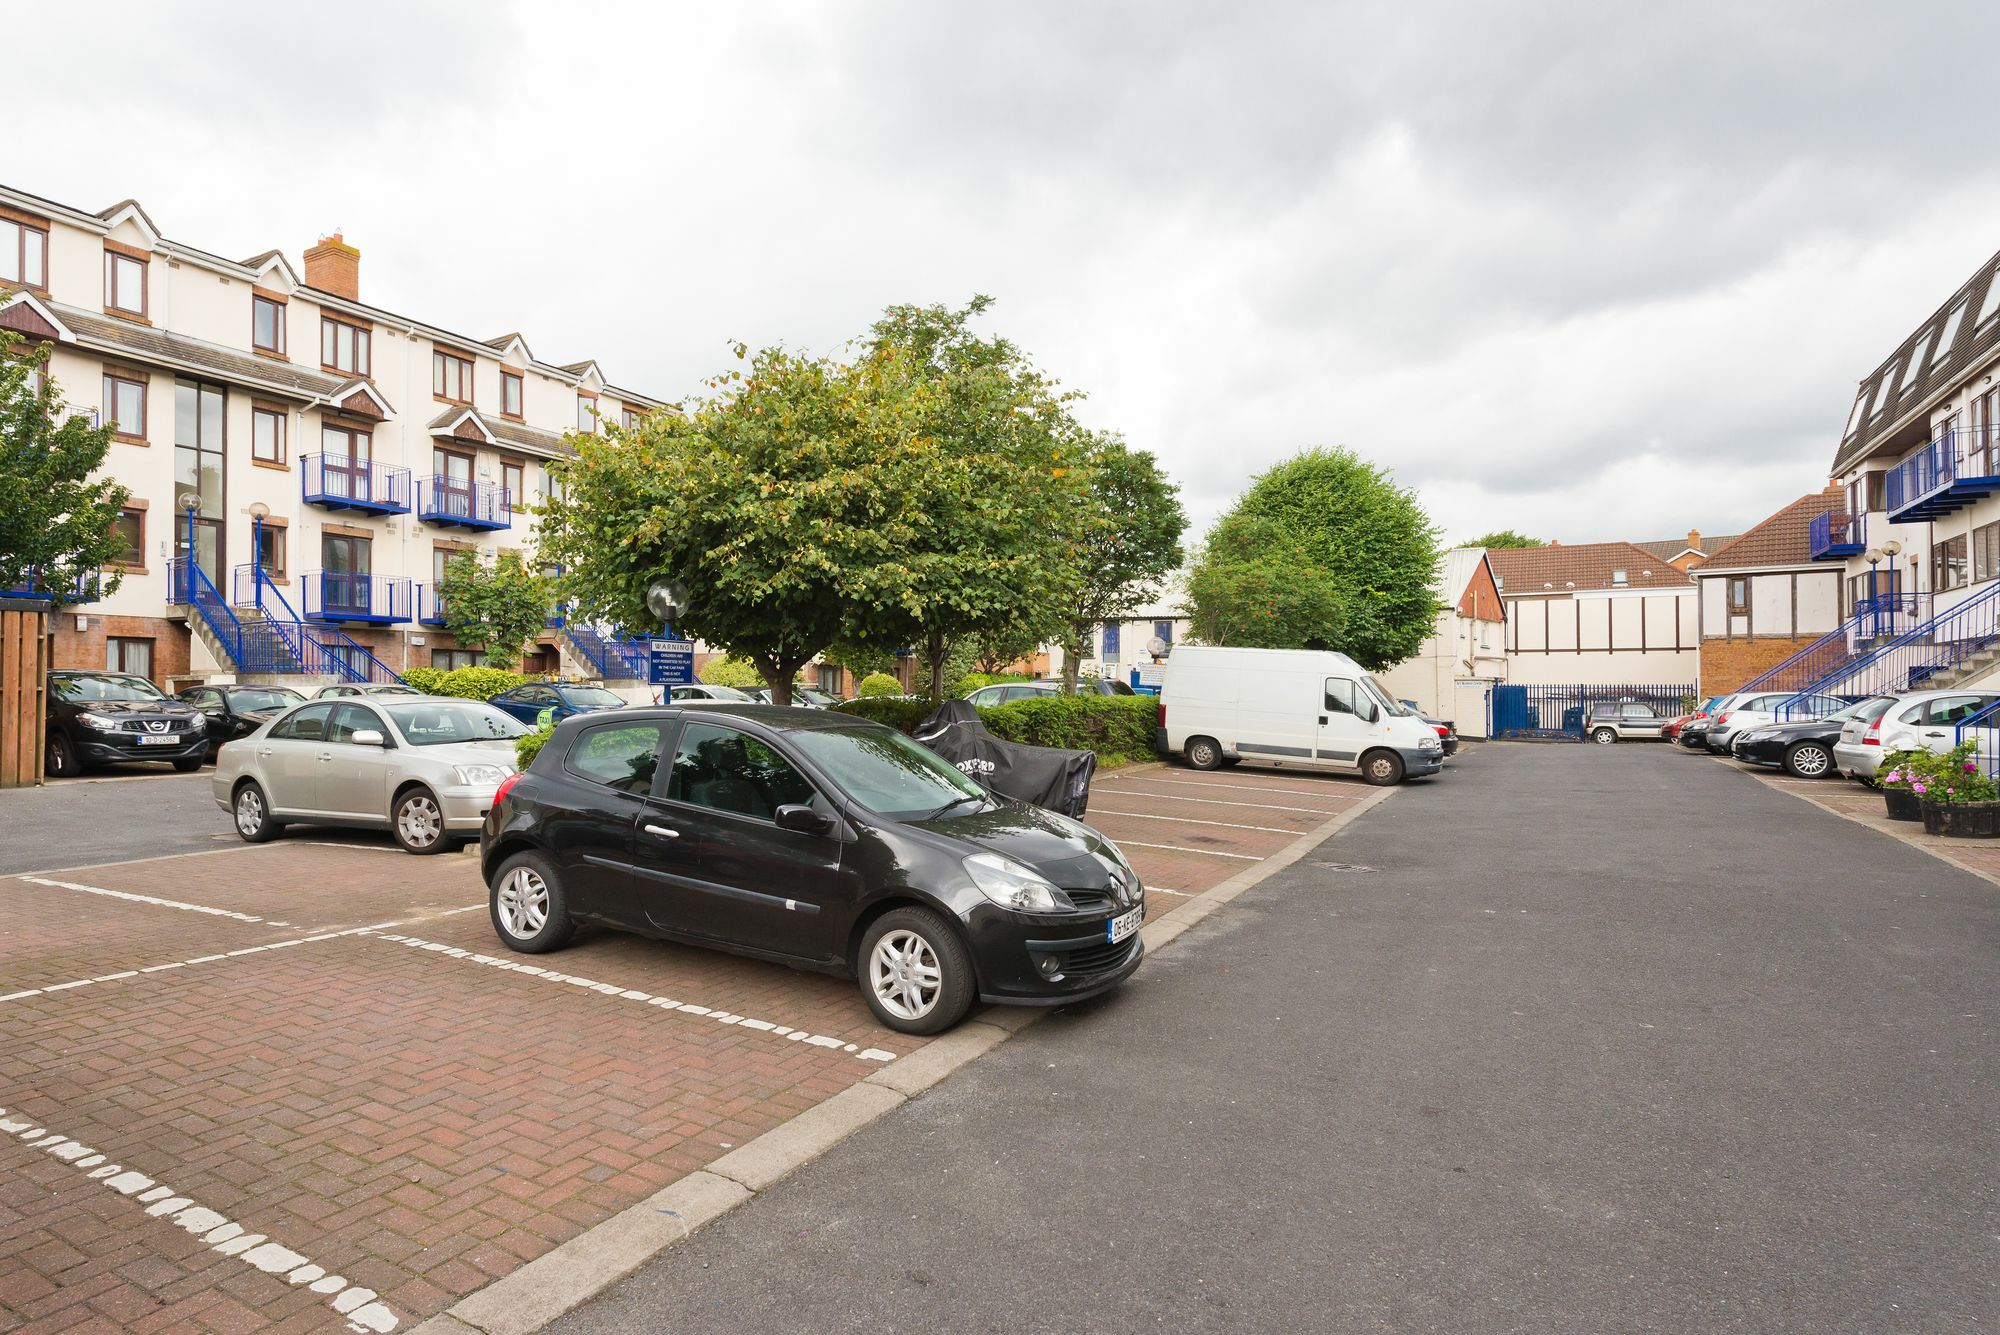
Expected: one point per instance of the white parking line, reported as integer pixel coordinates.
(1162, 890)
(1222, 802)
(1176, 848)
(222, 1235)
(154, 900)
(1189, 820)
(645, 998)
(199, 959)
(1253, 788)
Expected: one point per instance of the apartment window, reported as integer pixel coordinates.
(1618, 580)
(125, 404)
(1986, 552)
(1165, 630)
(1882, 387)
(510, 394)
(1739, 597)
(451, 377)
(345, 465)
(450, 660)
(1865, 493)
(1111, 650)
(343, 347)
(124, 283)
(1950, 568)
(267, 325)
(586, 413)
(24, 254)
(267, 435)
(1950, 335)
(510, 483)
(271, 550)
(125, 654)
(1885, 583)
(1991, 302)
(633, 417)
(130, 528)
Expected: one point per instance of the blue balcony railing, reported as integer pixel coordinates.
(1835, 536)
(430, 607)
(334, 595)
(1951, 472)
(33, 584)
(454, 502)
(339, 483)
(1918, 657)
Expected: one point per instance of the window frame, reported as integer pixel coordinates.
(276, 534)
(21, 279)
(1739, 606)
(281, 458)
(117, 646)
(276, 349)
(112, 287)
(517, 382)
(447, 368)
(1945, 562)
(669, 736)
(586, 414)
(512, 494)
(143, 385)
(137, 565)
(360, 346)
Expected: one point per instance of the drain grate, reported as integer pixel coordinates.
(1342, 866)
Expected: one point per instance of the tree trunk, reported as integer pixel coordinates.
(1073, 649)
(936, 649)
(778, 674)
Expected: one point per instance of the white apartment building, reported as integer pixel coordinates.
(1917, 536)
(1597, 613)
(1452, 674)
(261, 405)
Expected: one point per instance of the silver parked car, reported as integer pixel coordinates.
(343, 690)
(1917, 721)
(1608, 721)
(423, 768)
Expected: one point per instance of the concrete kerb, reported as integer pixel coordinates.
(591, 1262)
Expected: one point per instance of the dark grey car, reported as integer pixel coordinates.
(1622, 720)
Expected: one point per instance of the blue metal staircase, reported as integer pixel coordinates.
(1940, 651)
(265, 643)
(1874, 619)
(613, 657)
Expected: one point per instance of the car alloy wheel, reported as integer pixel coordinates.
(523, 903)
(1809, 760)
(419, 823)
(1604, 736)
(62, 757)
(252, 813)
(905, 975)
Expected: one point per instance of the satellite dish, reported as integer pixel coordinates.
(1156, 646)
(666, 599)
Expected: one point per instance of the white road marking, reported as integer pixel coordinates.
(154, 900)
(1252, 788)
(629, 994)
(1220, 802)
(1189, 820)
(199, 959)
(1176, 848)
(222, 1235)
(1162, 890)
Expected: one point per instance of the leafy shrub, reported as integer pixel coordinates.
(475, 683)
(731, 671)
(899, 713)
(972, 681)
(529, 745)
(879, 683)
(425, 679)
(1952, 779)
(1119, 728)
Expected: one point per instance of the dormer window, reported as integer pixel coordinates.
(267, 325)
(586, 413)
(451, 377)
(124, 283)
(24, 254)
(343, 347)
(510, 394)
(633, 416)
(1618, 580)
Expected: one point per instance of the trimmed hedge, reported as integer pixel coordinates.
(466, 683)
(1119, 728)
(529, 745)
(878, 683)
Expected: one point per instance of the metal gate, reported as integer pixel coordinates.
(1555, 713)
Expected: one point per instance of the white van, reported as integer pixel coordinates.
(1300, 707)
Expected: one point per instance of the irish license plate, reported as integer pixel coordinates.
(1124, 925)
(165, 739)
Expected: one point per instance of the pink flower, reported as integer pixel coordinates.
(1971, 768)
(1919, 788)
(1895, 776)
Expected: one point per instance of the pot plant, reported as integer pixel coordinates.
(1902, 778)
(1961, 801)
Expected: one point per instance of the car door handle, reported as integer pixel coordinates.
(663, 832)
(1322, 720)
(325, 757)
(263, 752)
(1934, 734)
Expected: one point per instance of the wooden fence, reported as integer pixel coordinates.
(23, 686)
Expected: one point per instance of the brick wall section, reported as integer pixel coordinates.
(85, 648)
(1727, 664)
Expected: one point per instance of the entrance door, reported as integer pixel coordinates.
(345, 463)
(454, 483)
(345, 585)
(1346, 721)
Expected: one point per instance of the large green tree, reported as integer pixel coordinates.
(495, 605)
(794, 503)
(1504, 537)
(56, 522)
(1005, 491)
(1255, 584)
(1364, 543)
(1129, 543)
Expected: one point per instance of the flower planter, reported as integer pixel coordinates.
(1903, 804)
(1970, 820)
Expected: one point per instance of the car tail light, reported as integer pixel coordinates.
(1163, 714)
(506, 787)
(1873, 737)
(1442, 730)
(1721, 719)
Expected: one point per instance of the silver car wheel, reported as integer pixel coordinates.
(905, 975)
(1811, 761)
(524, 903)
(249, 811)
(419, 821)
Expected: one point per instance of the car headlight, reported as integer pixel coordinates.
(103, 721)
(1009, 884)
(483, 776)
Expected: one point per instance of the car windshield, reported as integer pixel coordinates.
(442, 722)
(263, 697)
(885, 771)
(729, 693)
(394, 690)
(1390, 705)
(593, 697)
(82, 688)
(1870, 710)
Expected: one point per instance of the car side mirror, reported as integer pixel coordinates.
(368, 737)
(1367, 711)
(802, 818)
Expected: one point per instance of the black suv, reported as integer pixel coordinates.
(98, 718)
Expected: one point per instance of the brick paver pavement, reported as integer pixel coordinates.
(323, 1050)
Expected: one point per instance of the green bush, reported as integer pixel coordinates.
(425, 679)
(731, 671)
(1119, 728)
(475, 683)
(529, 745)
(972, 681)
(879, 683)
(899, 713)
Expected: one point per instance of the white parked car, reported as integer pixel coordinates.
(680, 695)
(424, 768)
(1918, 721)
(1757, 709)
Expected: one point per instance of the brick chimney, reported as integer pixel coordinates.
(1694, 538)
(334, 266)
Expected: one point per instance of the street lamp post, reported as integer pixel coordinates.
(258, 510)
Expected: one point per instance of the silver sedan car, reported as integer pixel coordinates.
(422, 767)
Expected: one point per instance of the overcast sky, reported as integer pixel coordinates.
(1588, 270)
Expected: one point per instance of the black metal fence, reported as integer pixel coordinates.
(1555, 713)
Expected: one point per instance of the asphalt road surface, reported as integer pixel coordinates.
(1610, 1038)
(136, 811)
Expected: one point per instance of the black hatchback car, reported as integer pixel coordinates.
(813, 838)
(1804, 749)
(99, 718)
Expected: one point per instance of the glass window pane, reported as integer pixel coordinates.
(326, 336)
(265, 322)
(725, 770)
(622, 756)
(361, 352)
(10, 251)
(34, 267)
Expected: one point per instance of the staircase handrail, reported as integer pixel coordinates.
(1950, 650)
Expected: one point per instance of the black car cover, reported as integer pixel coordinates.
(1047, 776)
